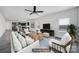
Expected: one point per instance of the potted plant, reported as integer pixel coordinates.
(72, 31)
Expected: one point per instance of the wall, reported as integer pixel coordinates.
(54, 18)
(2, 25)
(4, 35)
(8, 25)
(78, 24)
(78, 16)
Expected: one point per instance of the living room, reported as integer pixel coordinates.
(49, 22)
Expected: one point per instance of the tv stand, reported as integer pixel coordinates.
(51, 32)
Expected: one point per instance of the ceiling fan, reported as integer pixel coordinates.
(34, 10)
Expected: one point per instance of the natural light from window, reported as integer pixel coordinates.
(64, 21)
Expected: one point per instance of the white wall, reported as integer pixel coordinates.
(2, 25)
(78, 24)
(54, 18)
(8, 25)
(78, 16)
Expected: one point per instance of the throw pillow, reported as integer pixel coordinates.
(29, 40)
(21, 39)
(65, 39)
(16, 44)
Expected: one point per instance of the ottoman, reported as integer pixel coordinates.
(46, 34)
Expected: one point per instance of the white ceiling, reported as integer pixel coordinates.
(18, 12)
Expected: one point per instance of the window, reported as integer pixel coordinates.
(63, 23)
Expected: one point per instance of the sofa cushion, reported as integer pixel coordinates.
(21, 39)
(59, 33)
(16, 44)
(29, 40)
(53, 40)
(65, 39)
(22, 33)
(26, 31)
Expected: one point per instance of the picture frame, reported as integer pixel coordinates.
(32, 25)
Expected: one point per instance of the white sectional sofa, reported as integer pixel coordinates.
(16, 47)
(29, 48)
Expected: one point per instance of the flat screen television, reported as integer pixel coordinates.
(23, 24)
(46, 26)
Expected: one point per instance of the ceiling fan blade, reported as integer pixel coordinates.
(28, 10)
(39, 11)
(31, 13)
